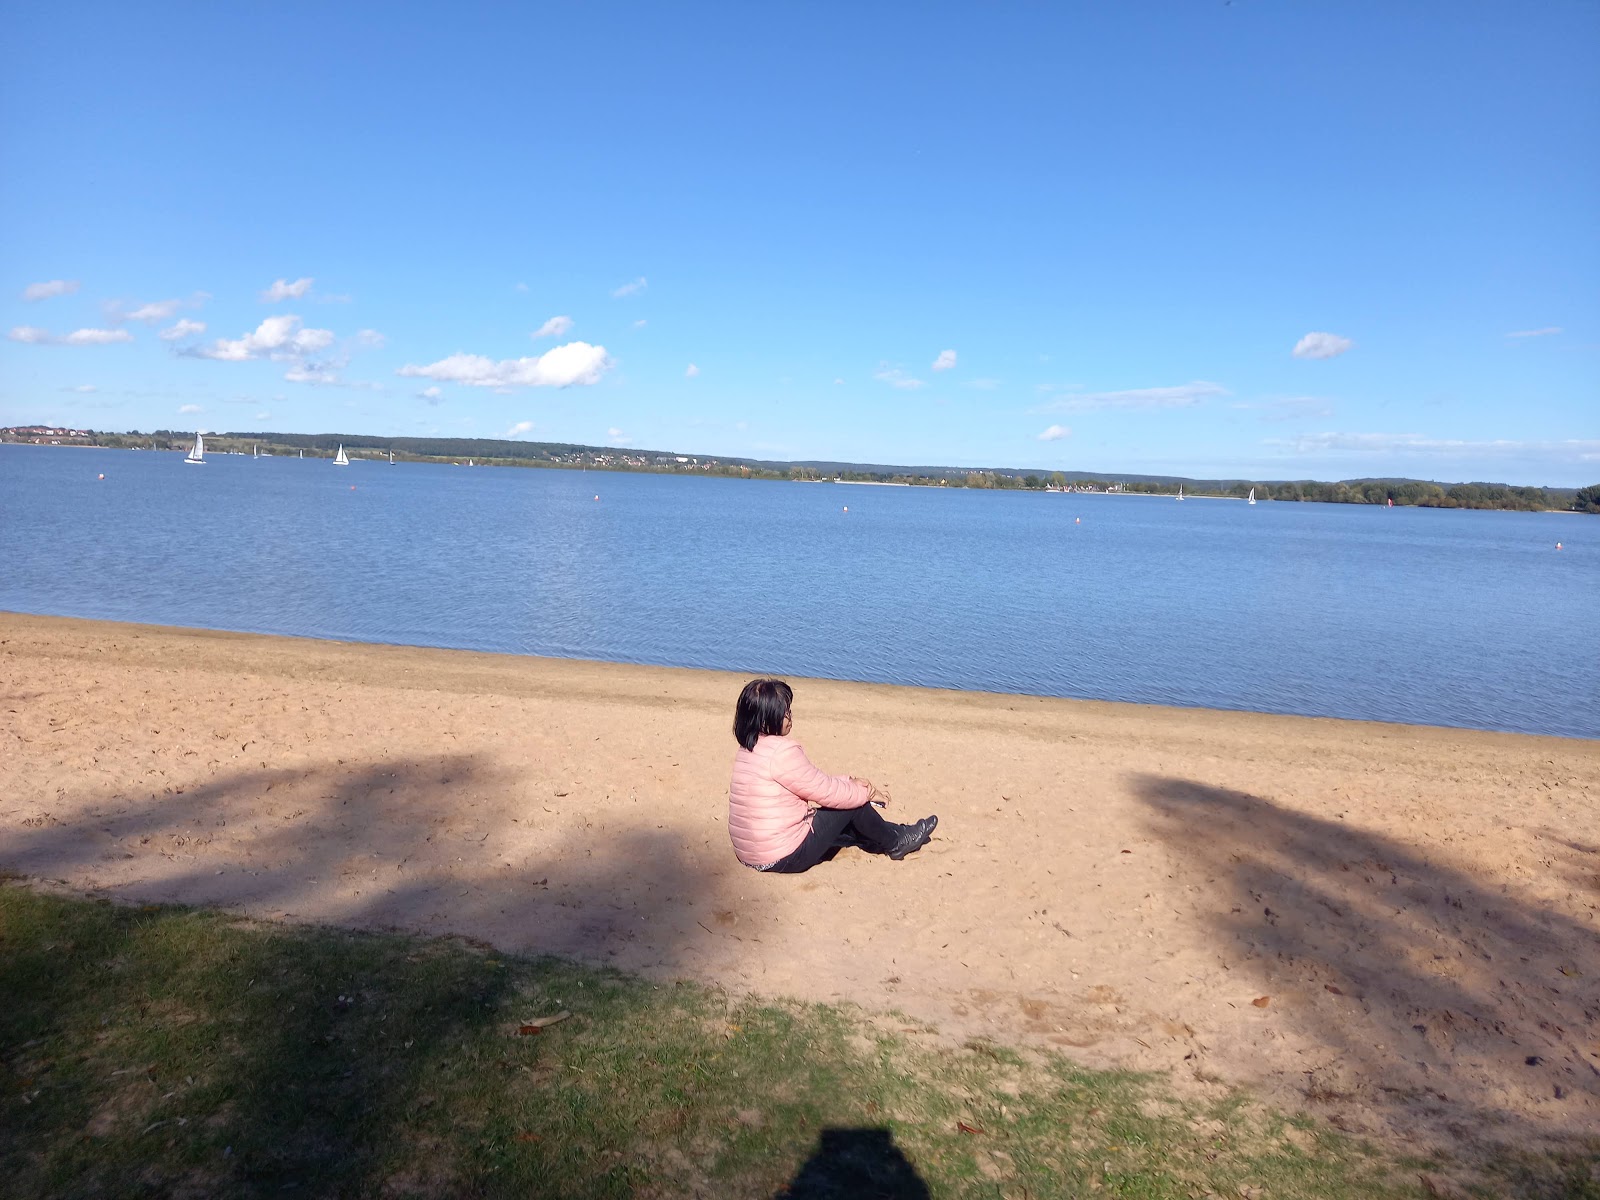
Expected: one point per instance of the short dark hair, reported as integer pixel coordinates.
(763, 705)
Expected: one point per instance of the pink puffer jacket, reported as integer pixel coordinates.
(768, 816)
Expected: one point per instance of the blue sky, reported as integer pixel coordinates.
(1054, 236)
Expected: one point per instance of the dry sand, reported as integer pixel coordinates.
(1396, 928)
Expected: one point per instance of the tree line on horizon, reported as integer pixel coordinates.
(564, 455)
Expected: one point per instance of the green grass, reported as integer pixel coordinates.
(172, 1052)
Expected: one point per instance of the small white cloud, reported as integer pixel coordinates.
(181, 329)
(276, 337)
(34, 336)
(263, 416)
(1183, 396)
(691, 371)
(1321, 345)
(1055, 433)
(564, 366)
(640, 323)
(945, 361)
(895, 377)
(554, 327)
(50, 288)
(85, 388)
(520, 428)
(96, 337)
(983, 385)
(1528, 333)
(522, 287)
(838, 382)
(1287, 408)
(631, 289)
(432, 394)
(310, 374)
(188, 409)
(283, 290)
(158, 310)
(371, 339)
(616, 435)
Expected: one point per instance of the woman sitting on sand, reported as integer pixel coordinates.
(784, 814)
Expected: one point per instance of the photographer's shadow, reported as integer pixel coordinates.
(856, 1163)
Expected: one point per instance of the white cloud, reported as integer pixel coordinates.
(691, 371)
(1185, 395)
(371, 339)
(1321, 345)
(945, 361)
(157, 310)
(522, 287)
(277, 337)
(262, 416)
(34, 336)
(181, 329)
(1528, 333)
(97, 337)
(895, 377)
(187, 409)
(520, 428)
(283, 290)
(84, 388)
(432, 394)
(554, 327)
(574, 363)
(838, 382)
(1571, 449)
(49, 289)
(983, 385)
(631, 289)
(1055, 433)
(640, 323)
(311, 373)
(616, 435)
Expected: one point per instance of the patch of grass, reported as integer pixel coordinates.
(172, 1052)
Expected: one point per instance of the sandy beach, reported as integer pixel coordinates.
(1394, 928)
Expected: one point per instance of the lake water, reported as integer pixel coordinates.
(1426, 616)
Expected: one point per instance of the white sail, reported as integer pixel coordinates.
(1180, 491)
(391, 458)
(198, 454)
(341, 459)
(1252, 495)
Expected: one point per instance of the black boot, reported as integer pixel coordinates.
(913, 837)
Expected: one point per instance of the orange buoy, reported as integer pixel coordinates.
(847, 508)
(352, 487)
(1077, 520)
(597, 497)
(102, 476)
(1558, 544)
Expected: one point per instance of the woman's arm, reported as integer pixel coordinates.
(795, 771)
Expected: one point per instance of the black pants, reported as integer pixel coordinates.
(832, 829)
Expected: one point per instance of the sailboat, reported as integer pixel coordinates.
(1180, 491)
(255, 450)
(302, 454)
(340, 459)
(391, 458)
(1252, 499)
(470, 463)
(198, 454)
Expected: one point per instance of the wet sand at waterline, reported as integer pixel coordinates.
(1395, 928)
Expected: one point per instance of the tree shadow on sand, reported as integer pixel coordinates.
(361, 846)
(1437, 1006)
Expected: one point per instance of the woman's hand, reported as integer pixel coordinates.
(875, 794)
